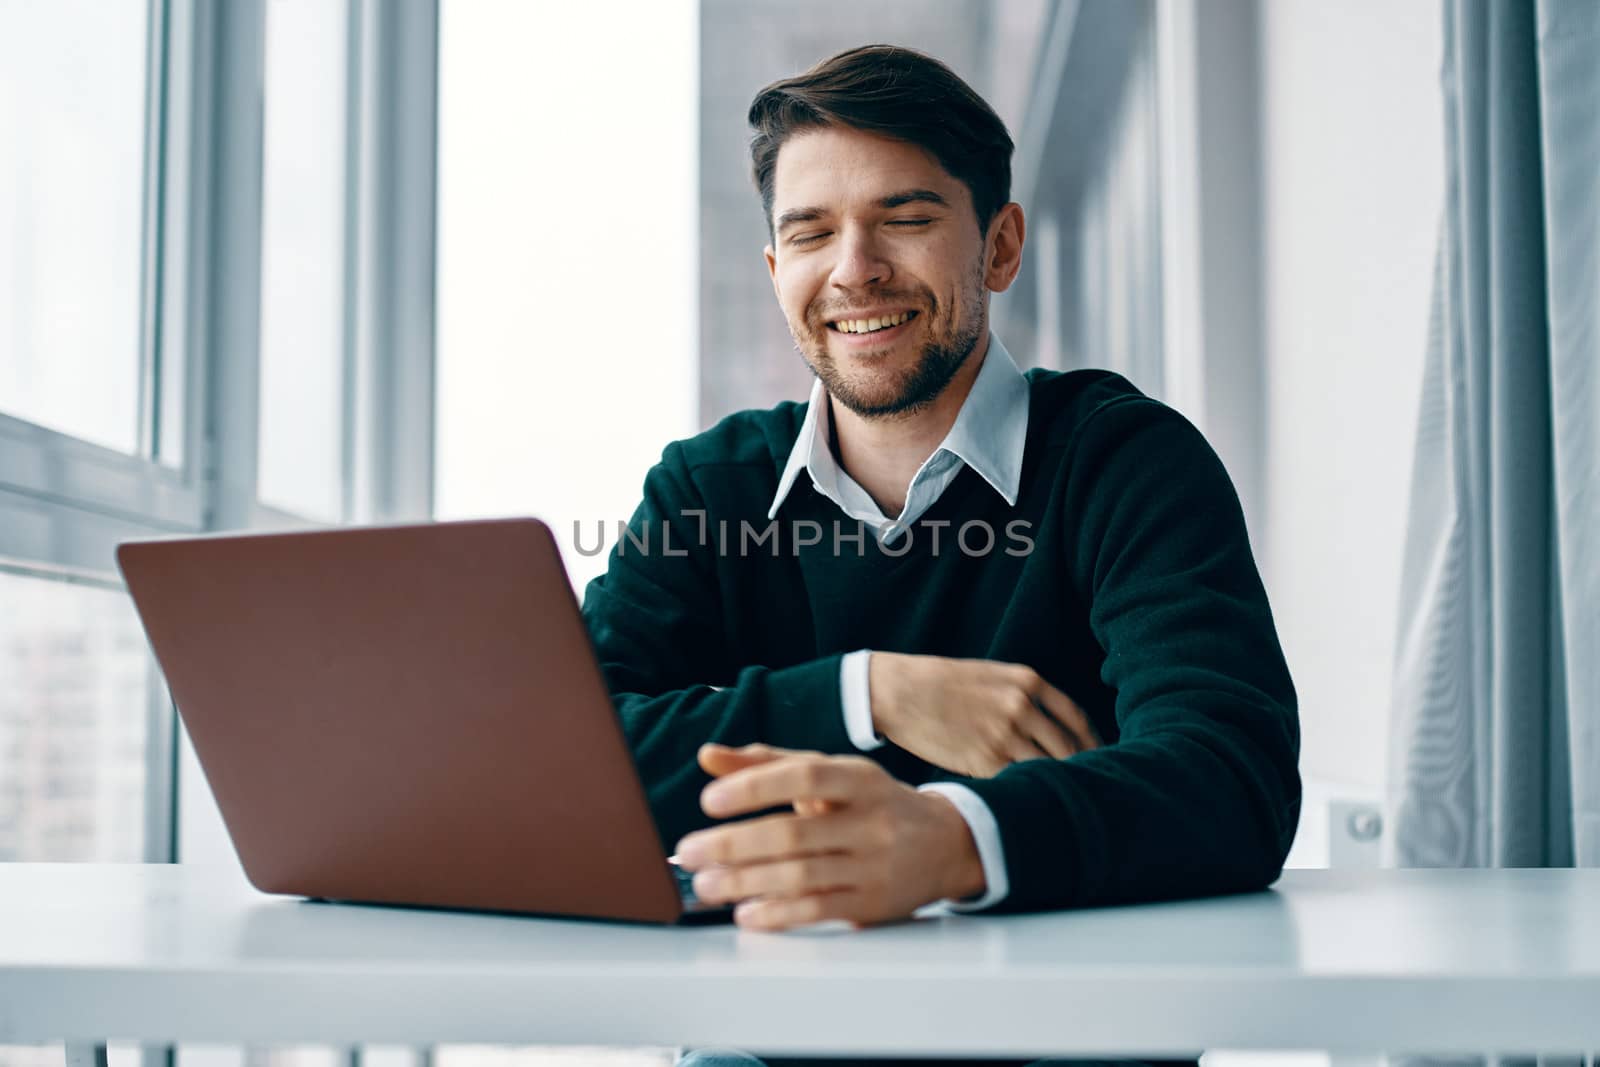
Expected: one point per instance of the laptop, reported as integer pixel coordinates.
(407, 715)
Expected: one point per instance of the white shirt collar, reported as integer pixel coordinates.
(989, 435)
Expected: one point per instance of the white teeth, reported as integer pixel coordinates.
(869, 325)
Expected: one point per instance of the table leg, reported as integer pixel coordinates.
(83, 1054)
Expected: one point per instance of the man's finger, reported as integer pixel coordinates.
(783, 781)
(1020, 747)
(781, 878)
(769, 838)
(814, 807)
(1068, 714)
(784, 912)
(718, 760)
(1051, 737)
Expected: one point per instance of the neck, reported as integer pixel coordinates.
(883, 453)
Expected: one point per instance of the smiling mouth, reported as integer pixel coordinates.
(866, 327)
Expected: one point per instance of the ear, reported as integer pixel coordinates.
(772, 269)
(1003, 248)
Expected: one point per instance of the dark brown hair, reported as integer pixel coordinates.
(900, 93)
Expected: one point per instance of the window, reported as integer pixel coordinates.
(73, 723)
(304, 218)
(72, 193)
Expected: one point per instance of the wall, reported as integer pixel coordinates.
(1353, 176)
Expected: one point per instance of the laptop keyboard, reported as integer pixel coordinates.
(685, 881)
(695, 910)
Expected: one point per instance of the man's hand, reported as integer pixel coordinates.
(973, 716)
(857, 845)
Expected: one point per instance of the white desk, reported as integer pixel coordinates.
(1434, 961)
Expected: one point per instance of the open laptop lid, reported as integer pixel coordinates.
(404, 714)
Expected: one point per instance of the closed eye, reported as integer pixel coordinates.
(814, 237)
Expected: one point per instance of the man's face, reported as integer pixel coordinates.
(872, 228)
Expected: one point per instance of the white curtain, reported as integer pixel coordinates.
(1496, 720)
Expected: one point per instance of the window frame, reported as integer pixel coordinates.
(65, 503)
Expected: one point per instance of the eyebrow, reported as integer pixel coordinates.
(893, 200)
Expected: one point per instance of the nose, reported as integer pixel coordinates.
(861, 261)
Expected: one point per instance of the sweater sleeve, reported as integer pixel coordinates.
(1200, 791)
(657, 621)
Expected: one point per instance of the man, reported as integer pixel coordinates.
(947, 631)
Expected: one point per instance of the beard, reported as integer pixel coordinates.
(913, 388)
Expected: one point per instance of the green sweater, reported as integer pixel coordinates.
(1123, 575)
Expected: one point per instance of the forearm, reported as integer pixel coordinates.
(1199, 792)
(1190, 808)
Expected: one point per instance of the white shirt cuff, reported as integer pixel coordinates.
(855, 693)
(986, 833)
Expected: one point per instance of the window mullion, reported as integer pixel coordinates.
(225, 280)
(393, 408)
(356, 392)
(149, 435)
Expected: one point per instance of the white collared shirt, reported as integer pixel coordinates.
(989, 435)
